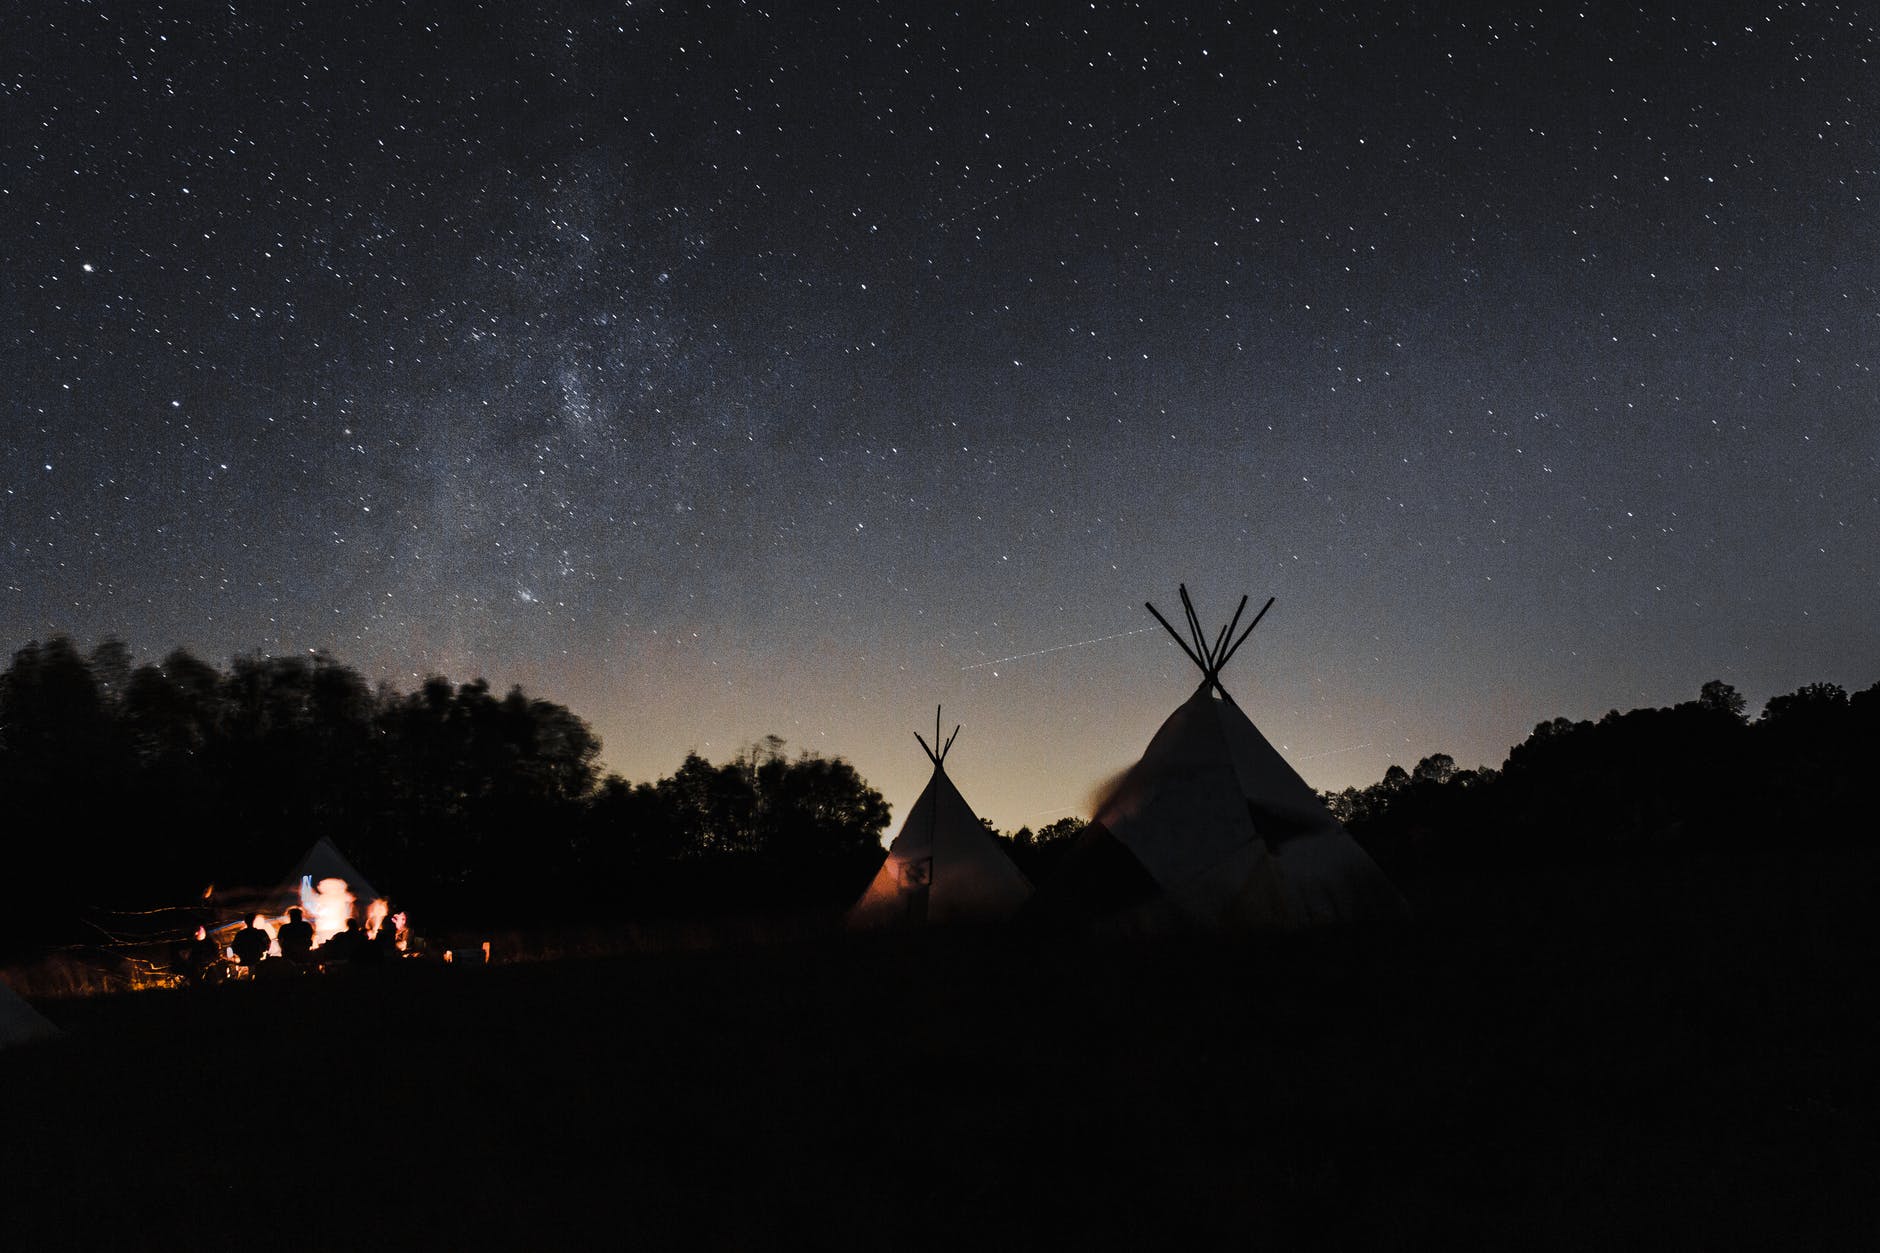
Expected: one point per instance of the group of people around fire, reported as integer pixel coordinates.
(197, 958)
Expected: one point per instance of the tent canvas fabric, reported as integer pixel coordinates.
(943, 867)
(1228, 832)
(325, 861)
(20, 1022)
(1212, 827)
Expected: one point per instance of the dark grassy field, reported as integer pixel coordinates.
(1654, 1055)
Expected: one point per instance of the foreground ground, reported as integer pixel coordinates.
(1664, 1055)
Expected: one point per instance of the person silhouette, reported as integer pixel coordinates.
(206, 957)
(343, 946)
(296, 938)
(192, 957)
(385, 945)
(251, 944)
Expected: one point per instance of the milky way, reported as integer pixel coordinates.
(722, 370)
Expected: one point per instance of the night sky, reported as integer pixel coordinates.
(723, 369)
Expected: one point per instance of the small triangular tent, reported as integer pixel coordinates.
(943, 866)
(325, 861)
(1213, 828)
(20, 1022)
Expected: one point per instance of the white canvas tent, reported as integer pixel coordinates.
(20, 1022)
(1213, 828)
(943, 866)
(325, 861)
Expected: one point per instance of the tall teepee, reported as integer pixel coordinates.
(944, 866)
(1213, 828)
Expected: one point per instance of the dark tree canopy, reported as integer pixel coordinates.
(131, 785)
(1037, 853)
(1697, 774)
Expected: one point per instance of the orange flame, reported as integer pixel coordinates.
(327, 906)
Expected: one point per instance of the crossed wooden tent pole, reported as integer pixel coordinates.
(1209, 657)
(937, 756)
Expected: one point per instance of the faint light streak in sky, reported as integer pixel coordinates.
(1057, 648)
(1332, 752)
(1052, 167)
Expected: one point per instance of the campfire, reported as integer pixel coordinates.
(326, 905)
(142, 949)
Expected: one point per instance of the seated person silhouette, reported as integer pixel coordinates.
(296, 938)
(343, 946)
(192, 958)
(385, 946)
(251, 943)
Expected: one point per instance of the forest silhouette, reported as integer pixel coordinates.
(1698, 776)
(135, 786)
(132, 785)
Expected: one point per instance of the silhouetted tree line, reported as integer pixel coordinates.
(1036, 853)
(1698, 774)
(762, 831)
(127, 785)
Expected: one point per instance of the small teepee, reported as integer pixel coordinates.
(325, 861)
(1212, 828)
(944, 866)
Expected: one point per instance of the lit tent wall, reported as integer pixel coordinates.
(944, 865)
(322, 861)
(310, 884)
(323, 884)
(1212, 828)
(325, 861)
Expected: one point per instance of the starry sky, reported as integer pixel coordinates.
(723, 369)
